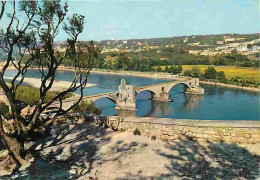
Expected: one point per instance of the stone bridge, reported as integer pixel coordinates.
(125, 99)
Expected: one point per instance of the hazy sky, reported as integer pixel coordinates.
(128, 19)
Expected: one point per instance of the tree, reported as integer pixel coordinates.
(35, 35)
(171, 69)
(210, 73)
(179, 69)
(166, 69)
(175, 69)
(194, 72)
(221, 76)
(159, 69)
(220, 61)
(2, 8)
(122, 62)
(85, 106)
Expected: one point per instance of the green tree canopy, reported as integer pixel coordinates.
(210, 73)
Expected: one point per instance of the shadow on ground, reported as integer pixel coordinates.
(191, 160)
(68, 153)
(74, 147)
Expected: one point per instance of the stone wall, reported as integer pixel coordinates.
(201, 130)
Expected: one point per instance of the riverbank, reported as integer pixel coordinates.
(167, 76)
(231, 86)
(154, 75)
(36, 83)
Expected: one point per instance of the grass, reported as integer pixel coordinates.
(252, 74)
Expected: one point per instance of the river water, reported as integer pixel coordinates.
(218, 103)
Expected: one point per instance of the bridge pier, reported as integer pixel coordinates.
(126, 97)
(162, 96)
(196, 90)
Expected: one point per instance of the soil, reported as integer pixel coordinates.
(87, 151)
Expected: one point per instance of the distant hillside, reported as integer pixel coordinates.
(210, 40)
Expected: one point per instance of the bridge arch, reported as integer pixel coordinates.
(173, 85)
(146, 90)
(106, 97)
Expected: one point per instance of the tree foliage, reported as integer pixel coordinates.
(221, 76)
(32, 30)
(210, 73)
(87, 107)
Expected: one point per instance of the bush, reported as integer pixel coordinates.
(210, 73)
(32, 95)
(166, 69)
(195, 72)
(221, 76)
(187, 73)
(88, 107)
(137, 132)
(159, 69)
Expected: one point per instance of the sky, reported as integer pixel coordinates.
(135, 19)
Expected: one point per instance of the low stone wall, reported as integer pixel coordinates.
(201, 130)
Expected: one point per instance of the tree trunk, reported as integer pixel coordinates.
(15, 149)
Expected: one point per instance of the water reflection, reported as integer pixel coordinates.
(192, 101)
(125, 113)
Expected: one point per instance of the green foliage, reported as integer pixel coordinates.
(195, 72)
(210, 73)
(174, 69)
(166, 69)
(159, 69)
(187, 73)
(177, 55)
(32, 95)
(88, 107)
(221, 76)
(4, 109)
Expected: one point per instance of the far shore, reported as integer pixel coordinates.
(230, 86)
(154, 75)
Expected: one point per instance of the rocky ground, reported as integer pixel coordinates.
(87, 151)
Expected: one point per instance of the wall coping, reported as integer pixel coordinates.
(190, 122)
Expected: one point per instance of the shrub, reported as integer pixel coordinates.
(88, 107)
(187, 73)
(221, 76)
(195, 72)
(137, 132)
(159, 69)
(175, 69)
(171, 70)
(32, 95)
(210, 73)
(166, 69)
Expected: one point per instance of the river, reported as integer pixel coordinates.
(218, 103)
